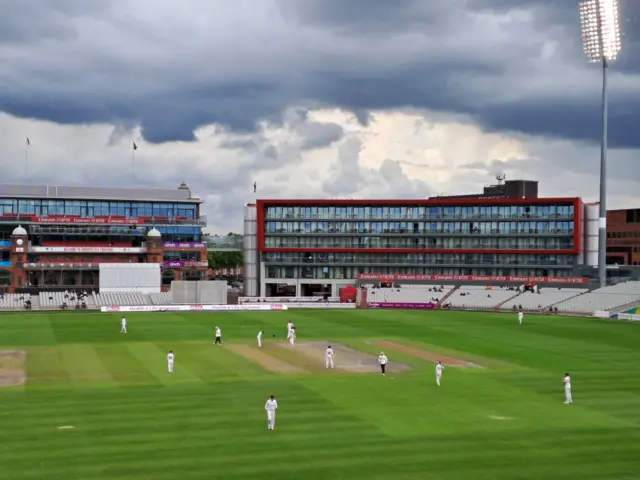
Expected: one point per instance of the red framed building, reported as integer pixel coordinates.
(319, 246)
(55, 237)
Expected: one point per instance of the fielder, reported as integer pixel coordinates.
(270, 407)
(567, 389)
(289, 328)
(123, 325)
(520, 317)
(383, 360)
(218, 340)
(439, 369)
(328, 357)
(170, 358)
(260, 338)
(292, 336)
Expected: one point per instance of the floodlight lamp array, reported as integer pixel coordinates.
(600, 24)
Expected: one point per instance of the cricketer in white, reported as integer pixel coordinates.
(520, 317)
(270, 407)
(260, 338)
(439, 369)
(567, 389)
(328, 357)
(289, 327)
(383, 360)
(123, 325)
(170, 358)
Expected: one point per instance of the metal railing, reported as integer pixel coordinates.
(24, 219)
(224, 243)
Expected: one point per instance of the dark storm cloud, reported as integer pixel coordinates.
(362, 55)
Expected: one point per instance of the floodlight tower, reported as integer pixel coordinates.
(600, 22)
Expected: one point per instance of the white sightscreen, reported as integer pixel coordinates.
(138, 277)
(212, 292)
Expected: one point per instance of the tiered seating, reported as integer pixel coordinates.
(602, 299)
(479, 297)
(162, 298)
(13, 300)
(546, 298)
(287, 299)
(408, 294)
(120, 299)
(55, 299)
(49, 243)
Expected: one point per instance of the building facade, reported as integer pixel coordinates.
(317, 246)
(55, 237)
(623, 237)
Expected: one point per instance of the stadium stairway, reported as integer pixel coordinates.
(443, 300)
(499, 306)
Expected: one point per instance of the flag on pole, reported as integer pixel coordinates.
(28, 142)
(135, 147)
(255, 187)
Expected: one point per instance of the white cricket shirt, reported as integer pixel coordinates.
(329, 353)
(271, 405)
(382, 359)
(439, 369)
(567, 382)
(170, 358)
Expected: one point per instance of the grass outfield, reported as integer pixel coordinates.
(501, 419)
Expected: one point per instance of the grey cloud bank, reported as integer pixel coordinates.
(511, 65)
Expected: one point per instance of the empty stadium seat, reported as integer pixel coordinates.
(408, 294)
(121, 299)
(479, 297)
(547, 297)
(602, 299)
(162, 298)
(11, 301)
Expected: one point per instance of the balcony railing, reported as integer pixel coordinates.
(24, 219)
(423, 217)
(434, 233)
(60, 266)
(426, 263)
(224, 243)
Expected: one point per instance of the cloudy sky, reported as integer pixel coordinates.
(313, 98)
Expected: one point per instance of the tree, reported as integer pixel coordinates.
(225, 260)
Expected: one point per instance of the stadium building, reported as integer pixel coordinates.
(623, 237)
(315, 247)
(55, 237)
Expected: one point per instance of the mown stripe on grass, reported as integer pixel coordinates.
(124, 367)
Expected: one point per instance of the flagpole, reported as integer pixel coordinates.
(26, 160)
(133, 163)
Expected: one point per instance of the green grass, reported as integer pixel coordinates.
(504, 421)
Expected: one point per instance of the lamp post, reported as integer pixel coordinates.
(600, 25)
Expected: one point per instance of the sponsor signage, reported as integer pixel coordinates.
(98, 221)
(179, 264)
(193, 308)
(472, 278)
(184, 245)
(404, 306)
(321, 306)
(88, 250)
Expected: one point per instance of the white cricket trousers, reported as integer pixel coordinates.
(328, 362)
(292, 340)
(170, 367)
(438, 378)
(271, 420)
(259, 343)
(123, 329)
(567, 394)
